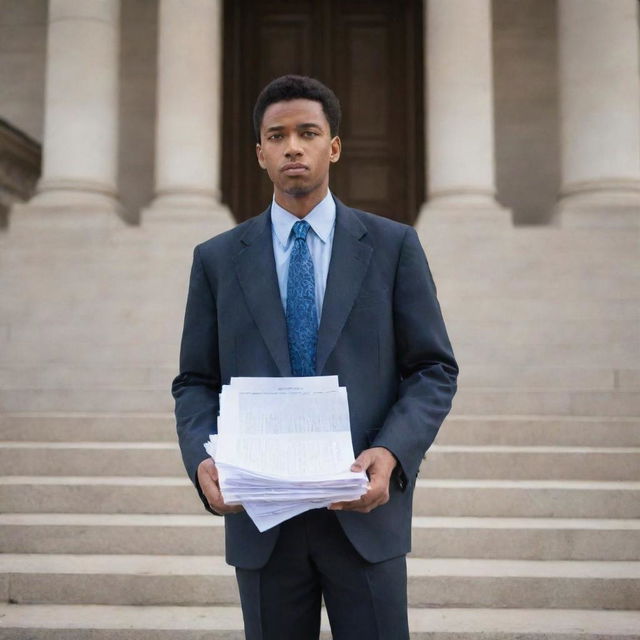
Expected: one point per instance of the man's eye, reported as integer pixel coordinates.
(275, 136)
(309, 134)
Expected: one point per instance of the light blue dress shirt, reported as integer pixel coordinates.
(322, 219)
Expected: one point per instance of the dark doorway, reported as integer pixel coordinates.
(370, 54)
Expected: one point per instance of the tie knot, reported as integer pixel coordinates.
(300, 229)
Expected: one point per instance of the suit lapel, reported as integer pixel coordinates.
(256, 270)
(349, 262)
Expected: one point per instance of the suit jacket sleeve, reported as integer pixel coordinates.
(197, 386)
(427, 366)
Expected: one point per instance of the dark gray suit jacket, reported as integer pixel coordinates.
(381, 332)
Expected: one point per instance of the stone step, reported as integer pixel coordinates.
(518, 430)
(88, 376)
(92, 352)
(468, 401)
(502, 283)
(499, 281)
(550, 331)
(528, 310)
(110, 239)
(124, 276)
(442, 461)
(77, 399)
(533, 462)
(119, 309)
(207, 580)
(433, 537)
(523, 430)
(99, 494)
(166, 327)
(90, 426)
(539, 251)
(91, 458)
(121, 283)
(472, 350)
(548, 402)
(559, 254)
(450, 498)
(170, 534)
(104, 622)
(527, 498)
(545, 377)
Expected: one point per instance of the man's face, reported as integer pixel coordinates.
(296, 148)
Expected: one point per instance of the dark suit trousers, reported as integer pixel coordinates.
(314, 559)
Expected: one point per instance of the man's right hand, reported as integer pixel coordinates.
(208, 479)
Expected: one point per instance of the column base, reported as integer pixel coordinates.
(482, 211)
(216, 213)
(190, 225)
(611, 206)
(63, 195)
(181, 205)
(32, 215)
(185, 198)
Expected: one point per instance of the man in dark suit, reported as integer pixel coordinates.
(371, 317)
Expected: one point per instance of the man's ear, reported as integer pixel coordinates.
(260, 156)
(336, 148)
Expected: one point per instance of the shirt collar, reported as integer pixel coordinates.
(321, 219)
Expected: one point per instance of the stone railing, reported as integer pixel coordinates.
(20, 163)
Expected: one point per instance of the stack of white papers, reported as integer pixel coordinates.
(284, 447)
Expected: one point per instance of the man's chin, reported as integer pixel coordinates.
(298, 192)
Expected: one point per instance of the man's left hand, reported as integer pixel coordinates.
(378, 463)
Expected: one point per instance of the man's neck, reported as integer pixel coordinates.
(300, 206)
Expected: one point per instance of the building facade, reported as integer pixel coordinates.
(507, 131)
(526, 106)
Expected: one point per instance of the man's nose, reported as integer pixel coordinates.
(293, 148)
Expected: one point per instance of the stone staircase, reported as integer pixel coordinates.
(527, 510)
(101, 531)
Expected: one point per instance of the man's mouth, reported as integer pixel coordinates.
(294, 168)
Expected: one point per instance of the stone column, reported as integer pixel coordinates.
(459, 86)
(600, 106)
(81, 107)
(187, 168)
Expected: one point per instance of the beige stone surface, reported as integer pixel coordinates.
(460, 123)
(199, 580)
(189, 109)
(439, 624)
(457, 429)
(529, 498)
(442, 461)
(80, 500)
(81, 106)
(600, 104)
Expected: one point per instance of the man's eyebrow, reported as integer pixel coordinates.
(304, 125)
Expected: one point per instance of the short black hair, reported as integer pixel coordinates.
(291, 87)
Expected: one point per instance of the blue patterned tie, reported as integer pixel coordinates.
(302, 316)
